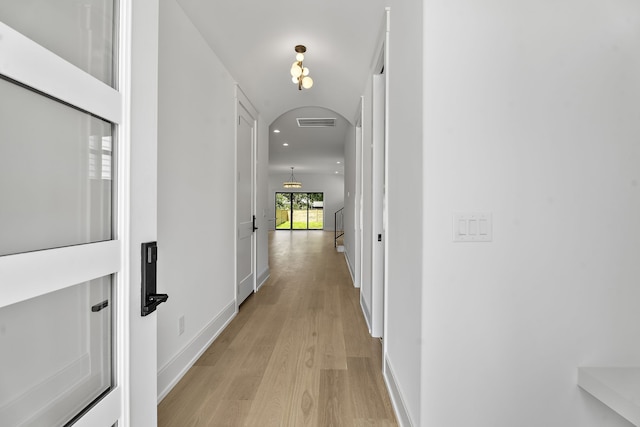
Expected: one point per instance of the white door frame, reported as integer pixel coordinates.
(243, 103)
(141, 400)
(385, 201)
(357, 211)
(379, 178)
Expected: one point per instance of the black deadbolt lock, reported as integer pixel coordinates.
(149, 298)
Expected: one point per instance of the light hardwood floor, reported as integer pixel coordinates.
(297, 354)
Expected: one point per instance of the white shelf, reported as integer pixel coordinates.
(618, 388)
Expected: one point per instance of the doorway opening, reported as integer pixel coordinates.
(299, 211)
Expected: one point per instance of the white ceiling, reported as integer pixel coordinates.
(255, 39)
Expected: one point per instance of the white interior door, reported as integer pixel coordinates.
(378, 196)
(66, 215)
(366, 215)
(245, 210)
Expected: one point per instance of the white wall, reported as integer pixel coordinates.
(332, 185)
(531, 111)
(195, 199)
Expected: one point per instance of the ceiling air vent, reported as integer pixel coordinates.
(316, 123)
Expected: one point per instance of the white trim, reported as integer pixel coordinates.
(31, 274)
(141, 92)
(122, 315)
(262, 278)
(23, 60)
(385, 216)
(365, 312)
(350, 268)
(399, 407)
(236, 119)
(171, 373)
(246, 103)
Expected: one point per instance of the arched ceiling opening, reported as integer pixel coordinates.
(311, 139)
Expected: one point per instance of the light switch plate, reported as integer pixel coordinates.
(472, 227)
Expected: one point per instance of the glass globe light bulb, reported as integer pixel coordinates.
(305, 71)
(299, 57)
(294, 80)
(307, 82)
(296, 71)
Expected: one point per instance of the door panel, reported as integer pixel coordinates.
(62, 226)
(59, 348)
(245, 264)
(80, 32)
(56, 181)
(377, 193)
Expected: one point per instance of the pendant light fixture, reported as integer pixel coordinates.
(292, 183)
(300, 73)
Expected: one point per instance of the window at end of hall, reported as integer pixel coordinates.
(299, 211)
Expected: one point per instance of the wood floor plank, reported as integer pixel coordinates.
(269, 294)
(304, 402)
(298, 353)
(181, 406)
(356, 334)
(367, 422)
(334, 399)
(211, 355)
(229, 413)
(368, 402)
(272, 401)
(332, 345)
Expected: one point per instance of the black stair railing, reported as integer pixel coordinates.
(338, 226)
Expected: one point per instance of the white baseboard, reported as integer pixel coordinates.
(402, 415)
(176, 368)
(350, 267)
(365, 312)
(262, 278)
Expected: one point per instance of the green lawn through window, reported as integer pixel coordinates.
(301, 225)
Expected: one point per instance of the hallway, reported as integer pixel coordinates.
(297, 354)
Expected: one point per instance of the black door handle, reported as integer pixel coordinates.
(254, 223)
(157, 298)
(100, 306)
